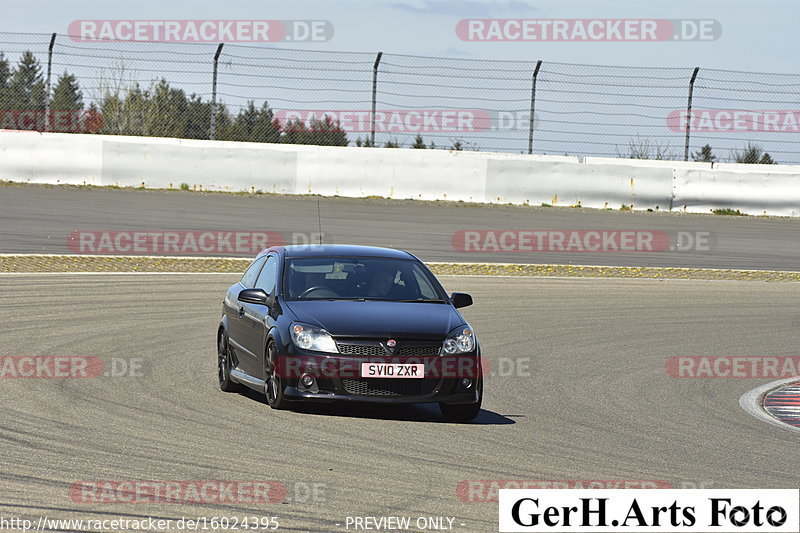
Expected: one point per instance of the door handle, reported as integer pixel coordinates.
(241, 311)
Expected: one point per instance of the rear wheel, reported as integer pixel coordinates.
(224, 365)
(463, 412)
(273, 388)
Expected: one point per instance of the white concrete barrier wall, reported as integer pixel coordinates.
(752, 189)
(398, 173)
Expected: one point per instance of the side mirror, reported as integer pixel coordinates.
(461, 299)
(256, 296)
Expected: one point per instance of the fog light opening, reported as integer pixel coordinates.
(466, 383)
(307, 380)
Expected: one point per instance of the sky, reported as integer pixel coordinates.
(581, 110)
(756, 36)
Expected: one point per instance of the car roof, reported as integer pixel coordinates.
(346, 250)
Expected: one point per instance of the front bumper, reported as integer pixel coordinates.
(338, 377)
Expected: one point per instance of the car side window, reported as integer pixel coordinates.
(269, 275)
(250, 275)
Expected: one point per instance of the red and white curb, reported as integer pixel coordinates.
(777, 403)
(784, 404)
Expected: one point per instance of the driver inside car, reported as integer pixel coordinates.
(302, 281)
(381, 283)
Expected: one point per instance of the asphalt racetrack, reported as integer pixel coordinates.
(577, 388)
(38, 219)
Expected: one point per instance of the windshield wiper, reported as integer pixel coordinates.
(422, 301)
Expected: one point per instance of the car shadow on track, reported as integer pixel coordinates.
(418, 412)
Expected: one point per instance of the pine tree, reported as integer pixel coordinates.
(294, 132)
(66, 106)
(198, 118)
(326, 132)
(418, 142)
(753, 154)
(256, 125)
(704, 155)
(5, 83)
(367, 143)
(27, 86)
(67, 94)
(166, 111)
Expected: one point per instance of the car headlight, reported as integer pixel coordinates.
(311, 338)
(460, 340)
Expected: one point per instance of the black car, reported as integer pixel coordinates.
(352, 323)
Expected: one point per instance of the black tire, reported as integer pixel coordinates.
(273, 389)
(226, 383)
(463, 412)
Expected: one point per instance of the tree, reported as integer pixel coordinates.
(365, 143)
(67, 105)
(27, 85)
(753, 154)
(198, 119)
(392, 143)
(321, 132)
(224, 124)
(67, 95)
(93, 121)
(256, 125)
(327, 132)
(5, 83)
(418, 142)
(294, 131)
(704, 155)
(165, 111)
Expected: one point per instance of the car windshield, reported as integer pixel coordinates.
(358, 278)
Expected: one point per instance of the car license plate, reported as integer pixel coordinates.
(392, 370)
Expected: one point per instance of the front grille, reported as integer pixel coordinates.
(390, 387)
(419, 350)
(360, 349)
(369, 349)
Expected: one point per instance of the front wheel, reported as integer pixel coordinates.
(273, 388)
(463, 412)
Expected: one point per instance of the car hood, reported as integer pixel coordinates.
(378, 319)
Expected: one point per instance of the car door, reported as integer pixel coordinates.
(256, 320)
(237, 325)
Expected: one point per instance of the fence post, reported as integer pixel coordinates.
(533, 105)
(689, 114)
(212, 134)
(47, 83)
(374, 98)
